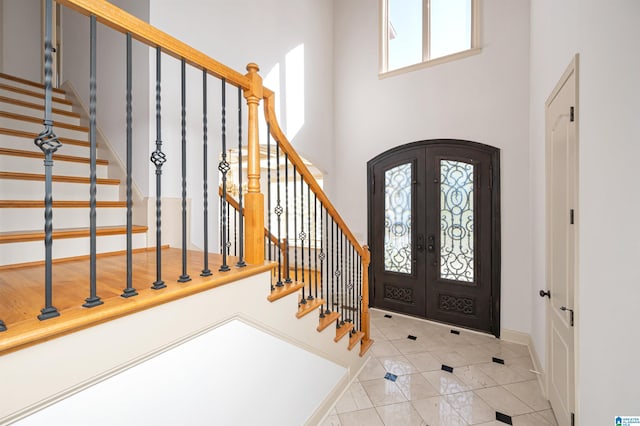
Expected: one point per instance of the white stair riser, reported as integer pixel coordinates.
(10, 163)
(33, 251)
(15, 189)
(23, 110)
(26, 144)
(32, 219)
(24, 86)
(35, 99)
(28, 126)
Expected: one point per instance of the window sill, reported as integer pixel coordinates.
(431, 63)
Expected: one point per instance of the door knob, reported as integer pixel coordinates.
(545, 293)
(420, 243)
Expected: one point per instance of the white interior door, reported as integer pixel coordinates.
(562, 217)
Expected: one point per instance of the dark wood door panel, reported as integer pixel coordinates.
(454, 246)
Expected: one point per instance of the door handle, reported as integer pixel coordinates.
(564, 308)
(420, 243)
(545, 293)
(432, 243)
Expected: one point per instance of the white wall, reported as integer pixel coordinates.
(605, 36)
(2, 36)
(22, 38)
(111, 82)
(483, 98)
(236, 33)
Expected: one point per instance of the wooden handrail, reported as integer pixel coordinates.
(121, 21)
(285, 146)
(233, 203)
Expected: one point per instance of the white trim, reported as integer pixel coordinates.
(430, 63)
(572, 69)
(383, 40)
(514, 336)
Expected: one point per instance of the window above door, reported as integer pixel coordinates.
(419, 33)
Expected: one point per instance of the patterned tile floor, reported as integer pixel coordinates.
(478, 391)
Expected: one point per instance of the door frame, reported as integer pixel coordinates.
(496, 243)
(572, 69)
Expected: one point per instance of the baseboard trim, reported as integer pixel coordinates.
(514, 336)
(525, 339)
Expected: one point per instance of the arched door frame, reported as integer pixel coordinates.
(494, 154)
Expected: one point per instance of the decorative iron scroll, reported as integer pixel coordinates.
(397, 219)
(463, 305)
(456, 221)
(401, 294)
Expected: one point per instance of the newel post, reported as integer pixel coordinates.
(366, 258)
(254, 199)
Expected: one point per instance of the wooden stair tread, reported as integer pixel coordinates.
(19, 236)
(285, 290)
(28, 82)
(328, 320)
(364, 347)
(20, 204)
(56, 178)
(309, 307)
(56, 156)
(34, 94)
(32, 136)
(342, 331)
(37, 106)
(38, 120)
(355, 339)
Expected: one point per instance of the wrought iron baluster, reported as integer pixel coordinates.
(93, 299)
(228, 245)
(268, 242)
(184, 277)
(278, 210)
(340, 275)
(241, 263)
(295, 230)
(48, 142)
(288, 212)
(224, 167)
(158, 158)
(354, 305)
(235, 232)
(302, 238)
(310, 296)
(315, 242)
(129, 291)
(333, 276)
(322, 256)
(3, 326)
(325, 258)
(206, 272)
(359, 292)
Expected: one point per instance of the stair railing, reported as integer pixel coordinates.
(333, 266)
(334, 252)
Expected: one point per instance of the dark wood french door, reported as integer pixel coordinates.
(434, 232)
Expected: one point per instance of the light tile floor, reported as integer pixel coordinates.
(424, 394)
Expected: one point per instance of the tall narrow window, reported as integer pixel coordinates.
(420, 31)
(397, 219)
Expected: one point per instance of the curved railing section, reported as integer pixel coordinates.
(336, 264)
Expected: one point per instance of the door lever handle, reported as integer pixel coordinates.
(564, 308)
(545, 293)
(432, 243)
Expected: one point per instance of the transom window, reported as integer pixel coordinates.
(416, 32)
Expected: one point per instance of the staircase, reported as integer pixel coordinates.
(312, 292)
(22, 181)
